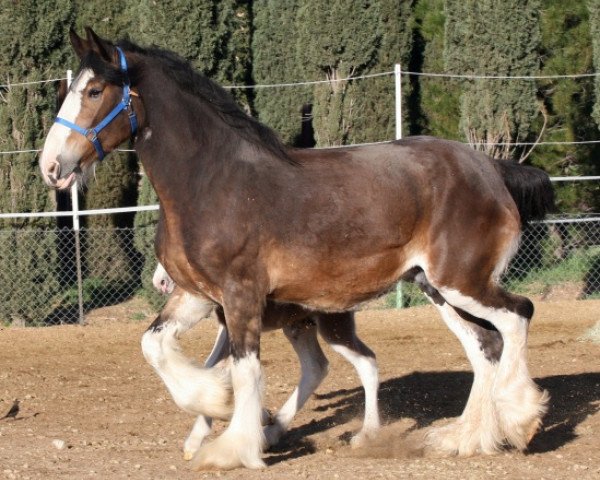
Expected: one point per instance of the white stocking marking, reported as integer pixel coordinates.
(195, 389)
(366, 367)
(313, 365)
(241, 443)
(477, 428)
(520, 405)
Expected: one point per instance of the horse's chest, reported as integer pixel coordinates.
(184, 268)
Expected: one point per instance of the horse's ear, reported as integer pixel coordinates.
(79, 44)
(61, 93)
(103, 47)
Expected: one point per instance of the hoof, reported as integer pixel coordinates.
(227, 452)
(362, 438)
(443, 440)
(273, 433)
(191, 445)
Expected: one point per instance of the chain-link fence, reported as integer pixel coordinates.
(44, 283)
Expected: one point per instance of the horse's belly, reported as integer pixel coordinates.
(335, 285)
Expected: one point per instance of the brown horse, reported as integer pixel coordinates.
(246, 220)
(207, 393)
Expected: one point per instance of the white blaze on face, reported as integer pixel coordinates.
(56, 139)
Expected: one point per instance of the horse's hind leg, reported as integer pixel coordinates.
(519, 403)
(504, 406)
(476, 429)
(313, 366)
(340, 332)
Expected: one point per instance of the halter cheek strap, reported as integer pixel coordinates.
(125, 104)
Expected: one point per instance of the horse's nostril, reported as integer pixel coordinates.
(54, 170)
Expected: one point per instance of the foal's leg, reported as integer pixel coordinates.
(339, 331)
(313, 366)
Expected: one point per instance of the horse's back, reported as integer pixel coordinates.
(414, 177)
(364, 215)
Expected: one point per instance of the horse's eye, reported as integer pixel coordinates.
(94, 93)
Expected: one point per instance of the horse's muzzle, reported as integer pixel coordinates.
(52, 176)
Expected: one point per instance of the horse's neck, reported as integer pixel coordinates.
(175, 143)
(186, 142)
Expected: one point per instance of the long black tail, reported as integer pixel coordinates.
(529, 187)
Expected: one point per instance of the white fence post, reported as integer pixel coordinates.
(76, 231)
(398, 90)
(398, 81)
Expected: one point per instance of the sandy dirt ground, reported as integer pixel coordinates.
(92, 408)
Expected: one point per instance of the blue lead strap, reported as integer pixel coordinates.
(92, 133)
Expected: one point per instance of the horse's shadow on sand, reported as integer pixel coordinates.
(426, 397)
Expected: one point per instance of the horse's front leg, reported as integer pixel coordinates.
(241, 444)
(196, 390)
(203, 424)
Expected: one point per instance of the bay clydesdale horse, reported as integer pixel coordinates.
(246, 221)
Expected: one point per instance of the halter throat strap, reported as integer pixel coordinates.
(125, 104)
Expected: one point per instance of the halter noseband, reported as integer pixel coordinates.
(92, 133)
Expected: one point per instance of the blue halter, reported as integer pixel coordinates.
(92, 133)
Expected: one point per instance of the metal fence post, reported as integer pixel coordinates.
(398, 90)
(76, 231)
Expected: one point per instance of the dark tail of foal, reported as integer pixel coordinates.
(529, 187)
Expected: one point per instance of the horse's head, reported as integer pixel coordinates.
(96, 116)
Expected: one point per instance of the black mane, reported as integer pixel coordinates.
(182, 73)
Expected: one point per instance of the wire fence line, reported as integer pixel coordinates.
(33, 82)
(398, 73)
(490, 144)
(465, 76)
(41, 287)
(147, 208)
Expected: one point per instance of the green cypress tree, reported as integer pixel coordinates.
(32, 48)
(214, 35)
(275, 60)
(295, 41)
(566, 49)
(594, 8)
(331, 50)
(373, 98)
(438, 101)
(483, 38)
